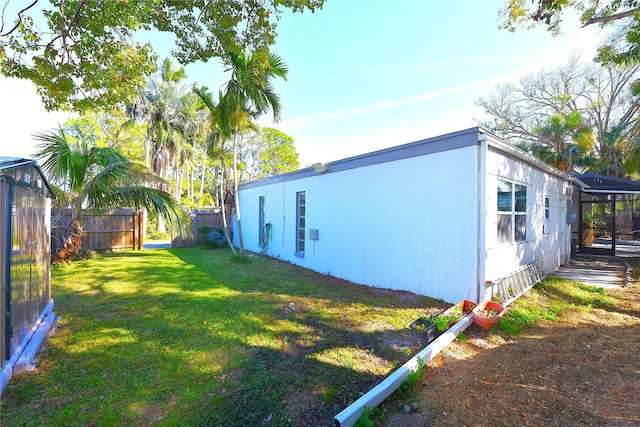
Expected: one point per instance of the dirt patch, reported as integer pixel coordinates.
(305, 406)
(583, 369)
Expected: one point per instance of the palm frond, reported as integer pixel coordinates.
(64, 164)
(277, 66)
(131, 185)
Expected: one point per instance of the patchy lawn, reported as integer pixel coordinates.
(572, 359)
(190, 337)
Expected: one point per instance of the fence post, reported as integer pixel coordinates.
(140, 230)
(137, 231)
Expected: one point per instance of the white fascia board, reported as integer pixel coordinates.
(514, 151)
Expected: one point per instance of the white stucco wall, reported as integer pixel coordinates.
(547, 240)
(407, 224)
(407, 217)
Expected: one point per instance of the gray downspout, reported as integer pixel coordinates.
(481, 232)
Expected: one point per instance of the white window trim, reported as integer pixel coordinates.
(298, 252)
(512, 213)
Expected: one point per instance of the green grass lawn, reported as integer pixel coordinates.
(191, 337)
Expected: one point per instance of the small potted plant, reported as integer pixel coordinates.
(459, 310)
(427, 328)
(487, 314)
(589, 224)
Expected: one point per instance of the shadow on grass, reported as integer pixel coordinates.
(189, 337)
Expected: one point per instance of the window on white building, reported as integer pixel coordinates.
(512, 212)
(300, 222)
(546, 207)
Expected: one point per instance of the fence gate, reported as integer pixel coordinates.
(204, 217)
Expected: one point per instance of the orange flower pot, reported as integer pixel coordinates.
(484, 322)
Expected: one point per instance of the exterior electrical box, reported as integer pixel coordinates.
(313, 234)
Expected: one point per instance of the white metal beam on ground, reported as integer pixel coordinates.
(350, 415)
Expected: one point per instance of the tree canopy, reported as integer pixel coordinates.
(111, 129)
(592, 109)
(82, 54)
(268, 152)
(623, 47)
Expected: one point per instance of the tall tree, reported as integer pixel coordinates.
(111, 129)
(89, 177)
(63, 46)
(618, 155)
(248, 94)
(216, 139)
(269, 152)
(603, 95)
(164, 106)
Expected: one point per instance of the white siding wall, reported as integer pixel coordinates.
(409, 224)
(547, 240)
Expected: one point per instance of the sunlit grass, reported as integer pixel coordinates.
(190, 337)
(551, 299)
(358, 359)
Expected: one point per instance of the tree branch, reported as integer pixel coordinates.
(609, 18)
(76, 16)
(18, 22)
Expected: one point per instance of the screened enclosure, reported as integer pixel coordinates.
(609, 212)
(25, 212)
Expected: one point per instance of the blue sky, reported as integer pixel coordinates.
(365, 75)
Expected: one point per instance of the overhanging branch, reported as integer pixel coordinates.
(609, 18)
(18, 22)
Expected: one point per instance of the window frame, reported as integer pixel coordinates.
(511, 224)
(301, 208)
(547, 207)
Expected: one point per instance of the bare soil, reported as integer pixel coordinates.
(580, 370)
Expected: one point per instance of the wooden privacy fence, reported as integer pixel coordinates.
(206, 217)
(108, 231)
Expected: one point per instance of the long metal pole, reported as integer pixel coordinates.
(7, 274)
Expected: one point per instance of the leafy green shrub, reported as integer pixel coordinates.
(462, 337)
(365, 419)
(411, 379)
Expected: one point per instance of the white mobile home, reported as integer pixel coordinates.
(437, 217)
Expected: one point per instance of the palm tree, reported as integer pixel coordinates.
(89, 177)
(248, 95)
(616, 154)
(215, 144)
(191, 124)
(164, 105)
(560, 134)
